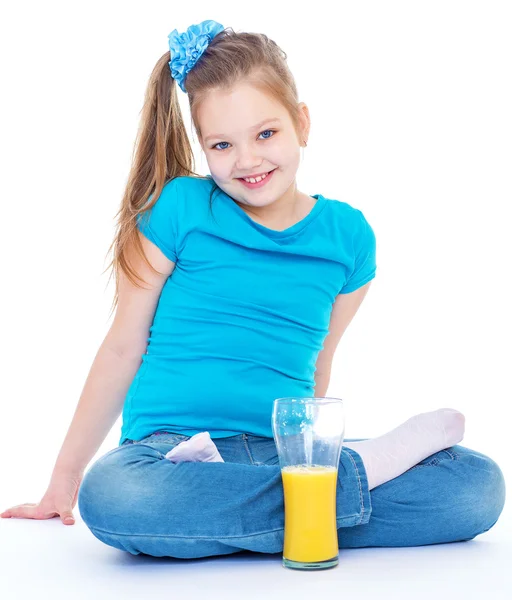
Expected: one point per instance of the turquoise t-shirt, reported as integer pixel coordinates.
(243, 316)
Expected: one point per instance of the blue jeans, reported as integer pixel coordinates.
(136, 500)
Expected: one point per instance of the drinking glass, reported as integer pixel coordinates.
(309, 434)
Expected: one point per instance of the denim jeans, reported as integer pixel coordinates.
(136, 500)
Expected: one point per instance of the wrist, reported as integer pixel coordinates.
(67, 469)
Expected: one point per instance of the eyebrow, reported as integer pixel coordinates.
(257, 126)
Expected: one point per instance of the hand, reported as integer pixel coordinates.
(60, 499)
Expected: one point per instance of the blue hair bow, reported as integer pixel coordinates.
(187, 47)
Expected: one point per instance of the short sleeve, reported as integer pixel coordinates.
(160, 223)
(364, 257)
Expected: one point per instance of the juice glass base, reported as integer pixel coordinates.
(311, 566)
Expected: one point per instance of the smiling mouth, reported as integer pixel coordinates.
(255, 176)
(260, 183)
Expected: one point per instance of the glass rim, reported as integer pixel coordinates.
(312, 399)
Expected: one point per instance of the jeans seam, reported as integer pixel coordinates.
(194, 537)
(360, 489)
(185, 537)
(454, 455)
(248, 450)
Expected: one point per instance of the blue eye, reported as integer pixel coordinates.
(270, 130)
(266, 138)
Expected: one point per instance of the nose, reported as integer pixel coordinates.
(248, 161)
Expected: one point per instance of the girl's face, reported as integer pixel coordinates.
(243, 133)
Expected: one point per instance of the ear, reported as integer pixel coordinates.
(305, 120)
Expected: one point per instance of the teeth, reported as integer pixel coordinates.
(255, 180)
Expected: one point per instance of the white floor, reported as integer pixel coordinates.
(48, 560)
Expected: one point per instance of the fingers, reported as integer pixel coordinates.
(24, 511)
(33, 511)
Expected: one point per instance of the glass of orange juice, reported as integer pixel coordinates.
(309, 435)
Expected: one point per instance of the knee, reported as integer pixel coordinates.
(484, 492)
(106, 489)
(495, 492)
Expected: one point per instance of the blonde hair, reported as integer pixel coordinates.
(162, 150)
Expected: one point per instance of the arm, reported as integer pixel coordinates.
(116, 362)
(100, 405)
(344, 308)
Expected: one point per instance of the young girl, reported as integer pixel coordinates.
(249, 286)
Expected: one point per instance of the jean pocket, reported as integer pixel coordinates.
(164, 438)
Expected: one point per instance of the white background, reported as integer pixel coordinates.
(411, 123)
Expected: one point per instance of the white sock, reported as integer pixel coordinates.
(390, 455)
(199, 448)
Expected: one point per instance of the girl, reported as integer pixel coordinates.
(250, 286)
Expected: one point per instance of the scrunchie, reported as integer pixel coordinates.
(187, 47)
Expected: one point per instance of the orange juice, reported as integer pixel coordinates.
(310, 513)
